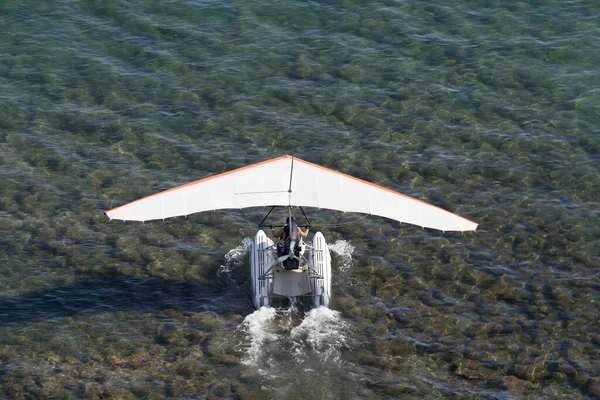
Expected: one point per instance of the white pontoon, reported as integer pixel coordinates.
(289, 182)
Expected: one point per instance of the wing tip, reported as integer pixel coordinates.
(108, 215)
(472, 226)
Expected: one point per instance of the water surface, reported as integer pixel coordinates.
(488, 109)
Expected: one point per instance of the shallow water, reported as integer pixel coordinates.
(488, 109)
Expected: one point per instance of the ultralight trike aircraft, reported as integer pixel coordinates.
(291, 267)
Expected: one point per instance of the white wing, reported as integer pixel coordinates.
(289, 181)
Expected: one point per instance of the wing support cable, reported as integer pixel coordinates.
(265, 218)
(305, 216)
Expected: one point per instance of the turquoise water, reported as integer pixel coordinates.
(488, 109)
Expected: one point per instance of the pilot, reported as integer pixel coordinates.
(285, 233)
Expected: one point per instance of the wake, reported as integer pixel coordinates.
(279, 340)
(234, 258)
(344, 251)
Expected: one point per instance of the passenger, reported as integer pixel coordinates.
(302, 233)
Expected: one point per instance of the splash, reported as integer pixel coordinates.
(285, 340)
(256, 326)
(322, 334)
(344, 250)
(234, 258)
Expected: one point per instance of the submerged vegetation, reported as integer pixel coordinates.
(488, 111)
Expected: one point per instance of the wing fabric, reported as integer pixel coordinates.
(257, 185)
(268, 184)
(316, 186)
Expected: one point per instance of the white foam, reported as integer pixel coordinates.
(322, 333)
(235, 257)
(277, 340)
(257, 330)
(344, 250)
